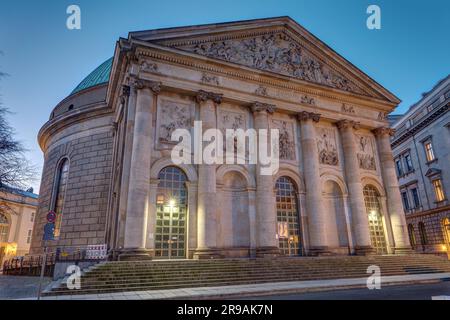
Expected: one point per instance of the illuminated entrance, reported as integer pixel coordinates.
(4, 233)
(171, 213)
(287, 217)
(373, 208)
(446, 229)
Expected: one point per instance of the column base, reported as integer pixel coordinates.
(133, 254)
(403, 250)
(207, 253)
(267, 252)
(319, 251)
(364, 251)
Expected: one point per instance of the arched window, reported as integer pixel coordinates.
(171, 214)
(376, 228)
(4, 228)
(60, 191)
(289, 238)
(412, 236)
(423, 234)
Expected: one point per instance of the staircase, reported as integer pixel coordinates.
(119, 276)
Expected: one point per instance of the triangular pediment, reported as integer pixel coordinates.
(277, 45)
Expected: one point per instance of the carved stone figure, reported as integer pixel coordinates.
(307, 100)
(261, 91)
(366, 153)
(173, 116)
(326, 145)
(348, 109)
(286, 142)
(210, 79)
(276, 53)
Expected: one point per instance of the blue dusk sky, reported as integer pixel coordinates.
(45, 61)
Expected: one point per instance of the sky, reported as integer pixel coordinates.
(45, 60)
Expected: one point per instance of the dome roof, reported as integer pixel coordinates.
(99, 76)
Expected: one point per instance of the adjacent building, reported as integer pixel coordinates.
(17, 215)
(110, 178)
(421, 147)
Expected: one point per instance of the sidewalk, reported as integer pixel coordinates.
(240, 291)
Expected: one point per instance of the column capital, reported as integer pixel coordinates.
(262, 107)
(305, 115)
(345, 124)
(383, 131)
(203, 96)
(154, 86)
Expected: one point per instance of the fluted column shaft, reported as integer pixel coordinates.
(266, 223)
(207, 202)
(314, 201)
(393, 197)
(138, 193)
(360, 221)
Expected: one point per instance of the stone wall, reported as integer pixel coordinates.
(84, 212)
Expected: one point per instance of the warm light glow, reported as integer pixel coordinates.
(444, 247)
(11, 249)
(172, 202)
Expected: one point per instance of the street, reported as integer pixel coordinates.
(407, 292)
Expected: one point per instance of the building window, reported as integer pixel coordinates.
(429, 151)
(398, 167)
(376, 227)
(412, 236)
(288, 224)
(438, 190)
(4, 228)
(171, 214)
(405, 200)
(423, 234)
(408, 163)
(415, 196)
(60, 188)
(29, 236)
(32, 216)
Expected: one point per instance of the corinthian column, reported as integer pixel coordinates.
(266, 223)
(207, 202)
(314, 201)
(139, 180)
(394, 202)
(360, 221)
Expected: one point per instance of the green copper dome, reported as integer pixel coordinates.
(98, 76)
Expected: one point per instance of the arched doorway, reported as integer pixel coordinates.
(234, 229)
(171, 214)
(446, 230)
(4, 234)
(376, 227)
(288, 221)
(412, 236)
(337, 235)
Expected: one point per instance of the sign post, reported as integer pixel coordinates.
(49, 235)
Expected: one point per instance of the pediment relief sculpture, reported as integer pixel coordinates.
(276, 53)
(326, 145)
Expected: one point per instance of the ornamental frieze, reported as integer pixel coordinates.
(276, 53)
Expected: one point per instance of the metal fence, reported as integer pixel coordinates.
(31, 265)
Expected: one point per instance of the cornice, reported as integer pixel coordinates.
(69, 118)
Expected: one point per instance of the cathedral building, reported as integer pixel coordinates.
(110, 177)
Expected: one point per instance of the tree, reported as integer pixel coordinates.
(15, 169)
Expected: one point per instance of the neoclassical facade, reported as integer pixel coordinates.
(110, 177)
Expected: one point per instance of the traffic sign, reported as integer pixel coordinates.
(49, 231)
(51, 216)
